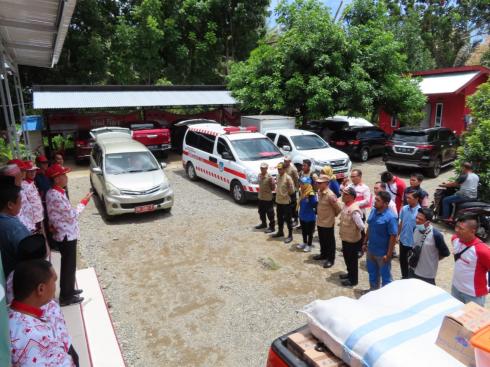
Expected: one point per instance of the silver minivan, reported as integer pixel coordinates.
(125, 175)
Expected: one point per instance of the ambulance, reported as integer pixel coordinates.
(229, 157)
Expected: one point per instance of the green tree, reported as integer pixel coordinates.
(303, 72)
(384, 61)
(476, 145)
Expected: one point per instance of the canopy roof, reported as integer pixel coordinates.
(59, 97)
(32, 32)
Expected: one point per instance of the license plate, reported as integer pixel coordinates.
(340, 143)
(340, 175)
(405, 150)
(144, 208)
(153, 146)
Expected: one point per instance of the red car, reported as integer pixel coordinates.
(83, 146)
(154, 135)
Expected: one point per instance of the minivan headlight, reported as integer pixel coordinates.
(252, 177)
(112, 190)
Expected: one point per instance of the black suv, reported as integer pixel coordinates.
(325, 128)
(360, 142)
(428, 149)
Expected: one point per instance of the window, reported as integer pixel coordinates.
(200, 141)
(207, 143)
(271, 136)
(438, 117)
(119, 163)
(394, 122)
(223, 147)
(308, 142)
(192, 139)
(282, 141)
(255, 149)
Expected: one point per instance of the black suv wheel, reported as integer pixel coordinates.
(436, 169)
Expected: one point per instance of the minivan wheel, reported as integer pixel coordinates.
(237, 192)
(107, 217)
(191, 172)
(435, 170)
(364, 154)
(390, 167)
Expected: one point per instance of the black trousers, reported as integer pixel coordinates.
(307, 229)
(404, 251)
(411, 274)
(294, 209)
(327, 243)
(350, 251)
(266, 210)
(68, 251)
(284, 216)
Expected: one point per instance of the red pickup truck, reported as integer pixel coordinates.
(155, 136)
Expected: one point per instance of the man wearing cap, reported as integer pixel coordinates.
(351, 226)
(328, 208)
(32, 195)
(63, 220)
(266, 206)
(293, 173)
(26, 215)
(284, 190)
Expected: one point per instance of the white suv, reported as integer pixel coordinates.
(229, 157)
(302, 144)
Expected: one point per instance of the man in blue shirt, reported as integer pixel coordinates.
(380, 241)
(406, 227)
(12, 231)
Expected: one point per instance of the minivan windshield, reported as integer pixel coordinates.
(119, 163)
(412, 138)
(308, 142)
(255, 149)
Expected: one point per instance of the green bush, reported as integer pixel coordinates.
(476, 141)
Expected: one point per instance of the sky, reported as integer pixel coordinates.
(332, 4)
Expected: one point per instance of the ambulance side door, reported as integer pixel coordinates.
(226, 163)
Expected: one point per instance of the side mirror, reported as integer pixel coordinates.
(227, 156)
(163, 164)
(97, 170)
(286, 148)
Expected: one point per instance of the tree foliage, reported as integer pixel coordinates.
(476, 145)
(316, 67)
(155, 41)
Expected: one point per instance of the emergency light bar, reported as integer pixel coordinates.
(237, 129)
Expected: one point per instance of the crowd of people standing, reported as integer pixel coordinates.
(374, 224)
(36, 217)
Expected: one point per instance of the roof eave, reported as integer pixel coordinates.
(68, 6)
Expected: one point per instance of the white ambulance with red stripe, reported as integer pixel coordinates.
(229, 157)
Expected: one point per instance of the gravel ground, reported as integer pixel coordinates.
(198, 286)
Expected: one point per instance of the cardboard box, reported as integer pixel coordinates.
(322, 358)
(301, 341)
(457, 330)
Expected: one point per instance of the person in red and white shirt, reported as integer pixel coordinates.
(396, 187)
(63, 224)
(472, 263)
(26, 214)
(32, 194)
(33, 248)
(35, 341)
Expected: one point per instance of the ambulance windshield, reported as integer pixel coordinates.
(255, 149)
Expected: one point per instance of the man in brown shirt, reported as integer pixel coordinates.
(284, 190)
(293, 173)
(266, 206)
(351, 226)
(328, 208)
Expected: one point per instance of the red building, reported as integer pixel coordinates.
(446, 91)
